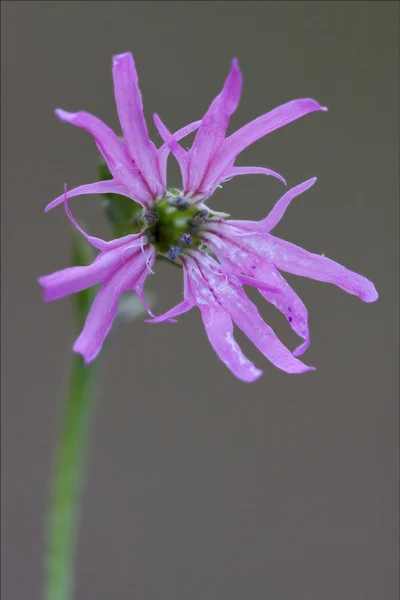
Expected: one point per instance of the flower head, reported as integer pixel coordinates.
(218, 255)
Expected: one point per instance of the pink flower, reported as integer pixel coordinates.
(249, 255)
(177, 225)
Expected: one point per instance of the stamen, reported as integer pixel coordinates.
(186, 238)
(150, 217)
(179, 202)
(200, 216)
(198, 219)
(174, 252)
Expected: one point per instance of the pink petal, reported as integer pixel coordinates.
(113, 255)
(246, 316)
(130, 111)
(251, 281)
(217, 322)
(219, 329)
(234, 171)
(180, 154)
(134, 240)
(175, 311)
(292, 259)
(289, 304)
(234, 227)
(181, 133)
(253, 131)
(138, 287)
(164, 151)
(99, 187)
(213, 128)
(104, 308)
(280, 207)
(268, 281)
(285, 299)
(180, 308)
(113, 150)
(75, 279)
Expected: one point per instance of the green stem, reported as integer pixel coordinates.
(67, 483)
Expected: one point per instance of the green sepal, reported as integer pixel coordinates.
(123, 214)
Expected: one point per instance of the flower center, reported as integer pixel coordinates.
(173, 224)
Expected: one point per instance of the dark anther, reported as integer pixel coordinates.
(174, 252)
(180, 203)
(200, 216)
(197, 219)
(150, 217)
(186, 238)
(290, 319)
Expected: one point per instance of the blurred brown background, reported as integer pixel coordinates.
(198, 486)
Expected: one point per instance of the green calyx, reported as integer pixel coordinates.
(171, 223)
(123, 214)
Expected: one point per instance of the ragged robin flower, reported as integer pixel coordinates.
(218, 255)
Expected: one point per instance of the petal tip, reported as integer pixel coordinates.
(307, 184)
(87, 358)
(302, 368)
(301, 349)
(249, 375)
(46, 291)
(316, 105)
(118, 57)
(156, 320)
(255, 375)
(63, 114)
(370, 295)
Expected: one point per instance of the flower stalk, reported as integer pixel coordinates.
(70, 459)
(67, 482)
